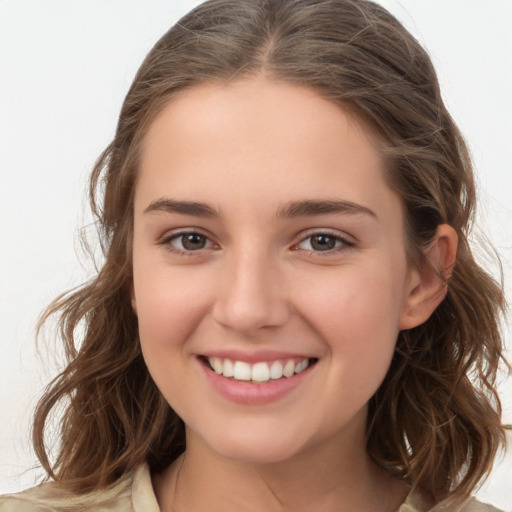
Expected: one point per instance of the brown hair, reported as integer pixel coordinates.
(435, 420)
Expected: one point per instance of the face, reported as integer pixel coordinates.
(269, 272)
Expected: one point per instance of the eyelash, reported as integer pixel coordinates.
(341, 242)
(167, 242)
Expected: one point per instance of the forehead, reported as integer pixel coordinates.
(279, 141)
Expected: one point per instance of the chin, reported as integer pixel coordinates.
(254, 446)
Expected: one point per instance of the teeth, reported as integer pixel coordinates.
(258, 372)
(300, 367)
(229, 368)
(289, 369)
(276, 370)
(242, 371)
(217, 365)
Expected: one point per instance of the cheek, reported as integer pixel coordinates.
(170, 309)
(170, 306)
(358, 314)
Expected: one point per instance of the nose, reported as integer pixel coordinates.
(252, 295)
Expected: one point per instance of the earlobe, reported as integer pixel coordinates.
(133, 300)
(428, 285)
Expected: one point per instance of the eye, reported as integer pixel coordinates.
(188, 241)
(193, 241)
(323, 242)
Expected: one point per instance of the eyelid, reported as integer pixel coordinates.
(347, 241)
(169, 236)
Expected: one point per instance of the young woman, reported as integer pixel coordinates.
(289, 316)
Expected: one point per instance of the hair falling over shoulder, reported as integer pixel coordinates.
(435, 420)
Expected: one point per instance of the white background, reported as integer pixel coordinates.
(65, 66)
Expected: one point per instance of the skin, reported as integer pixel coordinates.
(247, 149)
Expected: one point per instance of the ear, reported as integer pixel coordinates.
(133, 299)
(428, 285)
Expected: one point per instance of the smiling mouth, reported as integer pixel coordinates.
(260, 372)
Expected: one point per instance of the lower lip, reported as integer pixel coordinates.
(244, 392)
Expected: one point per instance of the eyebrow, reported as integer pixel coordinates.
(292, 209)
(311, 208)
(182, 207)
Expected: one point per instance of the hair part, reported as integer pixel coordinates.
(435, 420)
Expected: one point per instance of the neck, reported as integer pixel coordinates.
(326, 478)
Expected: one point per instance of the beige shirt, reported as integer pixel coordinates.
(135, 494)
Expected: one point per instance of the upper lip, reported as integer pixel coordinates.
(254, 356)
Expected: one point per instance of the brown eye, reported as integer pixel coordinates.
(186, 243)
(193, 241)
(322, 242)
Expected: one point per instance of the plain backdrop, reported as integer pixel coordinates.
(65, 66)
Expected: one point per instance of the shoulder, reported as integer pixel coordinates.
(415, 503)
(474, 505)
(127, 495)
